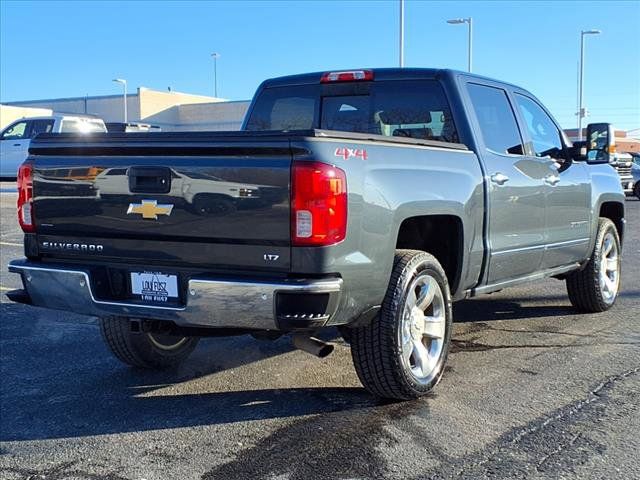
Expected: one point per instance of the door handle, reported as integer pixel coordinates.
(551, 179)
(499, 178)
(17, 144)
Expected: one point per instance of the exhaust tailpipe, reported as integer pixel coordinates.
(311, 345)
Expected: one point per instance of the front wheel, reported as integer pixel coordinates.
(595, 287)
(144, 349)
(401, 353)
(636, 190)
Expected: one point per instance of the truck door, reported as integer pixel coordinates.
(515, 186)
(568, 190)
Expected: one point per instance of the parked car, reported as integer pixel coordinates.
(635, 172)
(15, 139)
(398, 191)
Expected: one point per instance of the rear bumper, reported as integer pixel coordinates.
(210, 302)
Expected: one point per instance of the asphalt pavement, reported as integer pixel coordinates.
(532, 390)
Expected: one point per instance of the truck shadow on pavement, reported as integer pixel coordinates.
(486, 310)
(59, 380)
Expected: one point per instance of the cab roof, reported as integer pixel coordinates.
(379, 74)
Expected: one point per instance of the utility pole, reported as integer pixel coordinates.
(401, 53)
(469, 22)
(215, 57)
(124, 96)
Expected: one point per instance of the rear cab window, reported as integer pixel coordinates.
(415, 109)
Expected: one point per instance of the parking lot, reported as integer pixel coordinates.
(532, 390)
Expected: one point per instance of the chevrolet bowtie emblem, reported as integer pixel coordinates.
(150, 209)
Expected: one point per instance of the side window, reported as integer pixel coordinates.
(69, 126)
(17, 131)
(545, 137)
(41, 126)
(496, 118)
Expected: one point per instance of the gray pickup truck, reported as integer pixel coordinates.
(367, 200)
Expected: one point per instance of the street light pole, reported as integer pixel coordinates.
(124, 96)
(581, 109)
(470, 47)
(215, 57)
(401, 46)
(469, 22)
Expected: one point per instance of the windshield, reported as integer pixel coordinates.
(412, 108)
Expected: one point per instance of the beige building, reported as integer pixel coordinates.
(169, 110)
(9, 113)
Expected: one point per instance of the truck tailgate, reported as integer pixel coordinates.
(165, 198)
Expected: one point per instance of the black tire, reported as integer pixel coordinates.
(586, 292)
(376, 348)
(144, 350)
(636, 190)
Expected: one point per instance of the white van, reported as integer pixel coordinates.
(14, 140)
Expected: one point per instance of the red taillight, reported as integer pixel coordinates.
(347, 76)
(318, 204)
(25, 198)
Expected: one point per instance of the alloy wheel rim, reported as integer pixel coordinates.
(166, 342)
(422, 327)
(609, 268)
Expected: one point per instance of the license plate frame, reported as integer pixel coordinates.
(154, 287)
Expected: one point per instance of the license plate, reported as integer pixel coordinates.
(154, 286)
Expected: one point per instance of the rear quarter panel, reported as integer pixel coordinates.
(394, 183)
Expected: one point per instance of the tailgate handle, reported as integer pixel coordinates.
(149, 179)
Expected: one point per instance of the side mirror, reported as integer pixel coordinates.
(600, 143)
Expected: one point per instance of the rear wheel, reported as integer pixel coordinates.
(636, 190)
(595, 288)
(401, 353)
(145, 349)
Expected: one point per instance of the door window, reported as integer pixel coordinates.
(545, 137)
(496, 118)
(17, 131)
(41, 126)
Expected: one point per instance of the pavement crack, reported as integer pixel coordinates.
(541, 441)
(474, 346)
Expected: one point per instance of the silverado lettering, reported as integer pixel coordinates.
(78, 247)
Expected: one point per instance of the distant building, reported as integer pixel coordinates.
(171, 111)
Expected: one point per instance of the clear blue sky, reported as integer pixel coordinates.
(62, 49)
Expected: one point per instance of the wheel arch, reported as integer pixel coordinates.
(441, 235)
(614, 211)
